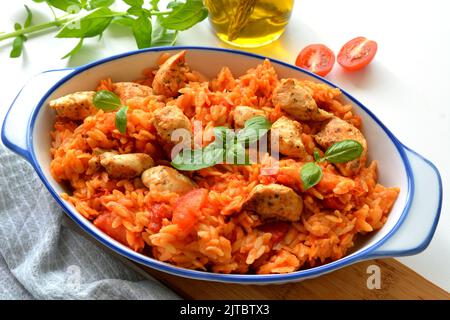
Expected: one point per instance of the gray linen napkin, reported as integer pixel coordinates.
(41, 258)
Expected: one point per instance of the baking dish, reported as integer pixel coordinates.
(408, 230)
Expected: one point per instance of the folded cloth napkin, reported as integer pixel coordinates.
(41, 258)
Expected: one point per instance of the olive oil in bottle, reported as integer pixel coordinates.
(249, 23)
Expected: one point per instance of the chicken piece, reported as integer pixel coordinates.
(337, 130)
(290, 137)
(170, 118)
(298, 101)
(125, 166)
(244, 113)
(167, 179)
(274, 201)
(127, 90)
(97, 155)
(75, 106)
(171, 75)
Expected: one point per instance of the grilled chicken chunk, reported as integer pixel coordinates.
(244, 113)
(170, 118)
(75, 106)
(170, 76)
(127, 90)
(98, 154)
(290, 137)
(298, 101)
(166, 179)
(274, 201)
(125, 166)
(337, 130)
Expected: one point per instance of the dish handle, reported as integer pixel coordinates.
(416, 231)
(15, 124)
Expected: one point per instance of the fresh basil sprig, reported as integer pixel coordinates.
(106, 100)
(343, 151)
(109, 101)
(254, 129)
(162, 36)
(121, 119)
(88, 24)
(142, 31)
(191, 160)
(339, 152)
(185, 16)
(316, 155)
(84, 19)
(17, 45)
(227, 145)
(311, 174)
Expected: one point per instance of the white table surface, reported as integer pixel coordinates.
(407, 85)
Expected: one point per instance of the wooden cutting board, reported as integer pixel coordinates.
(397, 282)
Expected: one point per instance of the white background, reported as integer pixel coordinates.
(407, 85)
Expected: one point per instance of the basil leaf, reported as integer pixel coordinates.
(124, 21)
(254, 129)
(134, 3)
(138, 11)
(91, 24)
(213, 154)
(191, 160)
(74, 50)
(343, 151)
(142, 31)
(100, 3)
(227, 147)
(65, 5)
(29, 17)
(106, 100)
(162, 36)
(154, 4)
(121, 119)
(17, 47)
(316, 156)
(185, 16)
(173, 4)
(220, 133)
(310, 174)
(225, 139)
(187, 160)
(258, 122)
(223, 134)
(250, 135)
(238, 155)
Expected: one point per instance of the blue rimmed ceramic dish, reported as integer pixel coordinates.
(408, 230)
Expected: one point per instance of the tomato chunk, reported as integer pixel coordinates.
(316, 58)
(328, 182)
(333, 203)
(187, 208)
(277, 229)
(157, 213)
(104, 223)
(357, 53)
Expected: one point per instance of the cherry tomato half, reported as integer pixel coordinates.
(357, 53)
(316, 58)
